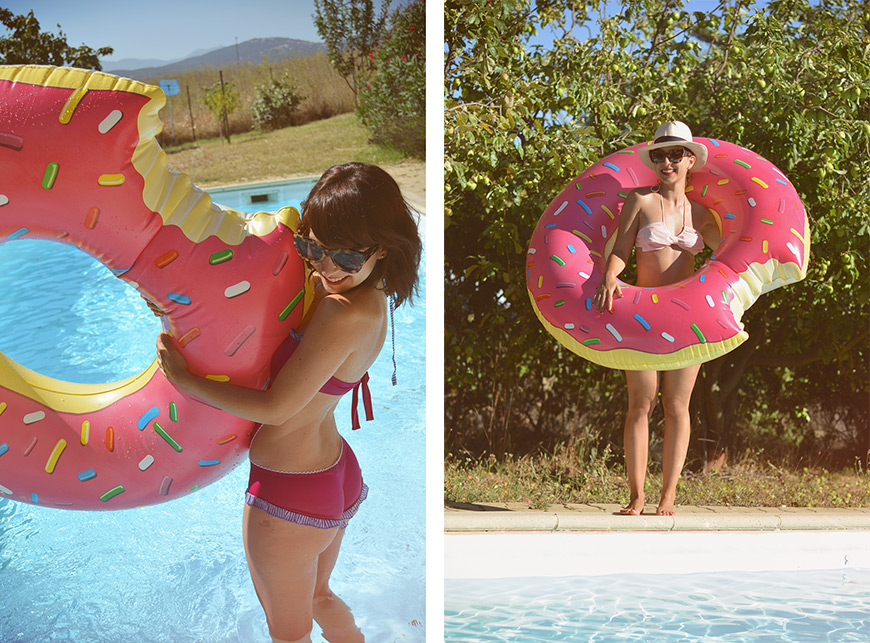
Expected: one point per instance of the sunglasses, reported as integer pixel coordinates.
(346, 260)
(674, 156)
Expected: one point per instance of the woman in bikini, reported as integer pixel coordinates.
(668, 231)
(361, 242)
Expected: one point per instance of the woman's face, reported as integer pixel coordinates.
(672, 172)
(334, 279)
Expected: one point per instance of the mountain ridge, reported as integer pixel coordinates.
(254, 50)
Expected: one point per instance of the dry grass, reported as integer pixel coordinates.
(325, 91)
(563, 478)
(306, 150)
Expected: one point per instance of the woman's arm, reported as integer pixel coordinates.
(332, 335)
(616, 262)
(710, 232)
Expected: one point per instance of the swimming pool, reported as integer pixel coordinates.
(798, 586)
(176, 572)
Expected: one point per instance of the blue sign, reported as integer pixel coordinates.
(169, 86)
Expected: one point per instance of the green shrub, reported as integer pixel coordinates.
(393, 104)
(276, 104)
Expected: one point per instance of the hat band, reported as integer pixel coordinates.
(670, 139)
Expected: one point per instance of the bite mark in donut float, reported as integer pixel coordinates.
(764, 244)
(79, 165)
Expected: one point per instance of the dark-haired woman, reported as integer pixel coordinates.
(667, 231)
(360, 240)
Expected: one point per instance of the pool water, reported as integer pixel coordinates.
(176, 572)
(789, 606)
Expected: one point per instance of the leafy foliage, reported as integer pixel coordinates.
(275, 104)
(351, 30)
(790, 81)
(221, 99)
(27, 45)
(393, 104)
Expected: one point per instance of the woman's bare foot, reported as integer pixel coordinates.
(634, 508)
(665, 508)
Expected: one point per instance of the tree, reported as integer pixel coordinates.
(27, 45)
(790, 81)
(222, 99)
(352, 32)
(393, 104)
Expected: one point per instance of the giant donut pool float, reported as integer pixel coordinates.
(765, 244)
(79, 165)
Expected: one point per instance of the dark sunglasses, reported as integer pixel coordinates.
(674, 156)
(346, 260)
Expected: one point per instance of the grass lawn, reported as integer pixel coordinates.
(553, 480)
(291, 152)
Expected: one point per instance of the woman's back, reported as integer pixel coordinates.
(309, 439)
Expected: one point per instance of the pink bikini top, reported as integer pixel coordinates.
(333, 386)
(657, 235)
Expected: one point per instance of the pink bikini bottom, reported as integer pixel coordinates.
(325, 499)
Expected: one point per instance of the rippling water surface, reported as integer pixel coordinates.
(735, 607)
(176, 572)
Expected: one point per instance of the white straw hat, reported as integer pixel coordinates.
(674, 134)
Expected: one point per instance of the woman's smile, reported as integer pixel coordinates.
(335, 281)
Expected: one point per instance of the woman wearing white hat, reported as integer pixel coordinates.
(668, 231)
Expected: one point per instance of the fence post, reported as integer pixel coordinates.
(224, 106)
(190, 109)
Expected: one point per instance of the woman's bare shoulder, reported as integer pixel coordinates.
(639, 197)
(640, 202)
(359, 308)
(644, 191)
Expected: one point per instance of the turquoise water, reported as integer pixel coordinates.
(796, 606)
(176, 572)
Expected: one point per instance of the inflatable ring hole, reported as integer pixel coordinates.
(66, 316)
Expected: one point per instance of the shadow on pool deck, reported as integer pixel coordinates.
(518, 517)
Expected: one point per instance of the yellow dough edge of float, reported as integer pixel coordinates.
(625, 359)
(68, 397)
(761, 278)
(180, 203)
(747, 290)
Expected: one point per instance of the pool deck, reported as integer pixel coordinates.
(518, 517)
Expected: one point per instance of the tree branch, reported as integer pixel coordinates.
(728, 43)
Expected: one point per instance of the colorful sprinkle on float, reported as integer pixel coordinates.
(764, 245)
(79, 165)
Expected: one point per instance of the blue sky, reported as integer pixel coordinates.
(169, 29)
(612, 8)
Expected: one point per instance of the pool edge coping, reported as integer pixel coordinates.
(605, 518)
(417, 202)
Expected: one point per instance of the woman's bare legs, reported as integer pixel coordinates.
(642, 392)
(284, 560)
(331, 613)
(676, 394)
(643, 387)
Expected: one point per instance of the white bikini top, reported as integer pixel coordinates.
(657, 235)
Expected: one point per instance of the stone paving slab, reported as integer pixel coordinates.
(518, 517)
